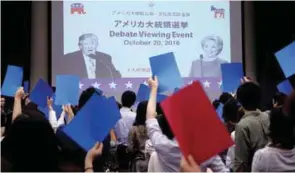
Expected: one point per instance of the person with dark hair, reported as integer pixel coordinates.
(138, 135)
(87, 61)
(224, 97)
(279, 99)
(167, 155)
(74, 153)
(122, 128)
(30, 144)
(85, 96)
(128, 99)
(231, 117)
(137, 139)
(251, 131)
(216, 103)
(279, 154)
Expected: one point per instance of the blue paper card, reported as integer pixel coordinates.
(26, 86)
(12, 81)
(285, 87)
(165, 68)
(40, 92)
(143, 93)
(93, 122)
(231, 76)
(219, 111)
(161, 97)
(286, 59)
(67, 90)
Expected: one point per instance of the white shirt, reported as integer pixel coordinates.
(124, 125)
(90, 66)
(231, 153)
(54, 122)
(154, 164)
(169, 155)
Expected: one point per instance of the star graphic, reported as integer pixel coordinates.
(190, 82)
(81, 85)
(219, 83)
(113, 85)
(96, 85)
(206, 84)
(128, 85)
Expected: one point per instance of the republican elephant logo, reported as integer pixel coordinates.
(77, 8)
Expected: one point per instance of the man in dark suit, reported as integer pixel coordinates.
(87, 62)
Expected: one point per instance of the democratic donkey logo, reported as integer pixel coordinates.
(218, 12)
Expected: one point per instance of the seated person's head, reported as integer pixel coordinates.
(30, 144)
(128, 99)
(249, 96)
(231, 112)
(281, 129)
(215, 103)
(279, 99)
(141, 114)
(86, 95)
(224, 97)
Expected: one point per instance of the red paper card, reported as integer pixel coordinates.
(195, 123)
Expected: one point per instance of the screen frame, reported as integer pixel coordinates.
(56, 27)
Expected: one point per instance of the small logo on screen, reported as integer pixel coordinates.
(151, 4)
(77, 8)
(218, 12)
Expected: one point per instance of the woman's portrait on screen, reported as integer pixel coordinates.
(208, 63)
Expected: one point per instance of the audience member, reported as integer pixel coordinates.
(72, 152)
(137, 140)
(95, 151)
(167, 155)
(122, 128)
(224, 97)
(231, 117)
(279, 155)
(30, 144)
(251, 131)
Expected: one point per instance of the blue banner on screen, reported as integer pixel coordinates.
(67, 90)
(92, 123)
(286, 59)
(165, 68)
(12, 81)
(285, 87)
(231, 76)
(40, 92)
